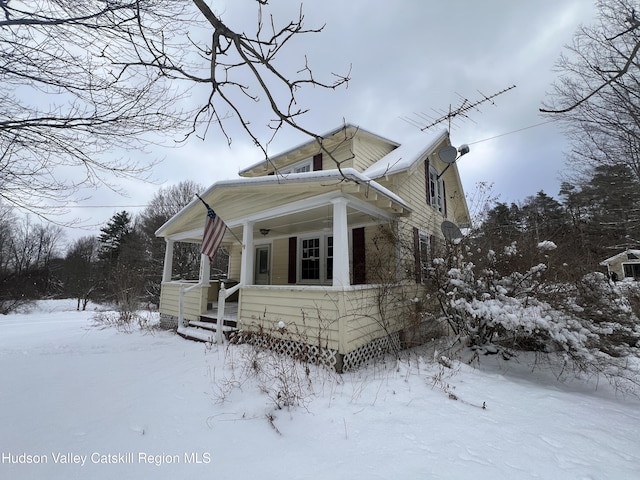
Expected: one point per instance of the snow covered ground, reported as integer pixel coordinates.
(80, 401)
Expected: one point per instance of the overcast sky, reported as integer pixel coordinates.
(406, 56)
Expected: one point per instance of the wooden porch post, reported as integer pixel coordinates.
(168, 261)
(205, 269)
(340, 243)
(246, 263)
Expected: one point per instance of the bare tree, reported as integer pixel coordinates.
(80, 273)
(597, 96)
(82, 78)
(166, 202)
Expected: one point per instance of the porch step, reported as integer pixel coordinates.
(212, 319)
(193, 333)
(213, 326)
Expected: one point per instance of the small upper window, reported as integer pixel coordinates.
(300, 167)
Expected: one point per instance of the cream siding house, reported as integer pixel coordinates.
(625, 265)
(313, 238)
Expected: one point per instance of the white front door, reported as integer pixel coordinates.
(262, 269)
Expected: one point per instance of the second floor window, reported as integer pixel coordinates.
(300, 167)
(436, 191)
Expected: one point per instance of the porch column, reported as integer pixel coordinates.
(340, 243)
(205, 269)
(246, 263)
(168, 260)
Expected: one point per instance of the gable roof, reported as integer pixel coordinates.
(623, 256)
(348, 127)
(406, 155)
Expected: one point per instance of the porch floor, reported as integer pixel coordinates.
(230, 312)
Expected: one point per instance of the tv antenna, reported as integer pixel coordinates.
(424, 121)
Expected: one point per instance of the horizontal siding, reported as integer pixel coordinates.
(365, 322)
(235, 259)
(195, 301)
(309, 315)
(280, 261)
(342, 154)
(368, 151)
(340, 320)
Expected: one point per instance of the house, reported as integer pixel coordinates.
(316, 241)
(624, 265)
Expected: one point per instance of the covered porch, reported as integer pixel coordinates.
(298, 260)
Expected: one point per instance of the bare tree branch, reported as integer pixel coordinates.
(85, 78)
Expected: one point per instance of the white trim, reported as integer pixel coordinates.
(247, 257)
(309, 203)
(167, 268)
(294, 178)
(341, 270)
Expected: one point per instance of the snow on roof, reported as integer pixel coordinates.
(294, 178)
(621, 255)
(328, 134)
(314, 176)
(403, 157)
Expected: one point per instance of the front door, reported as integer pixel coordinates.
(262, 271)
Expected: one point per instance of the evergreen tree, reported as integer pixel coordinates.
(113, 235)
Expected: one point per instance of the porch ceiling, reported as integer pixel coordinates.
(286, 208)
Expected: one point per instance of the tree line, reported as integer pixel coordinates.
(122, 265)
(592, 219)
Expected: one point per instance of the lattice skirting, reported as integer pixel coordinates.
(321, 355)
(298, 350)
(371, 351)
(168, 322)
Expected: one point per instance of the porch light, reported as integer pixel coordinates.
(264, 231)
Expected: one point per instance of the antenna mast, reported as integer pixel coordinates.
(424, 122)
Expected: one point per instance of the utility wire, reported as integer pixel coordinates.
(509, 133)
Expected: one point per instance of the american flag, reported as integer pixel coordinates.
(214, 231)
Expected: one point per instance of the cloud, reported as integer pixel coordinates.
(412, 56)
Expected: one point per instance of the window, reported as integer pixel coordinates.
(631, 270)
(436, 191)
(422, 254)
(300, 167)
(329, 264)
(310, 256)
(316, 259)
(424, 246)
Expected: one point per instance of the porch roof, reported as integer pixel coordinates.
(286, 204)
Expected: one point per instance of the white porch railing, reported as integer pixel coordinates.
(223, 294)
(182, 327)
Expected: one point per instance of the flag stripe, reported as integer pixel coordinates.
(214, 231)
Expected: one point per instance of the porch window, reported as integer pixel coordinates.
(329, 267)
(316, 259)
